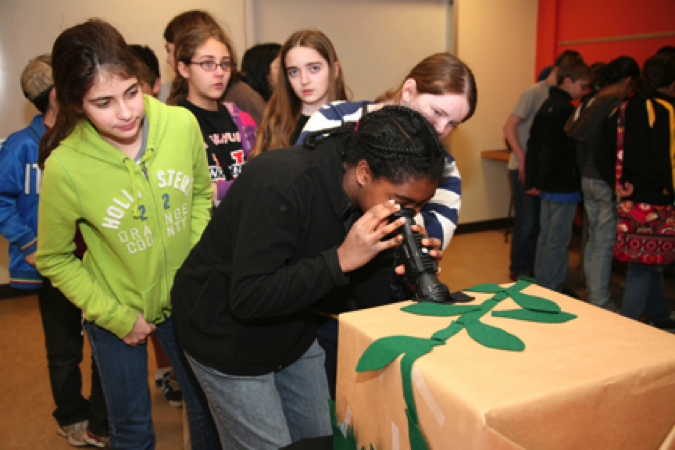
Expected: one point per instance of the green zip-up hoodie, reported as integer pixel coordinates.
(139, 221)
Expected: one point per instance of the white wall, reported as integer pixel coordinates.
(377, 42)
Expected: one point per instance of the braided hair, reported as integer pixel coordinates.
(398, 144)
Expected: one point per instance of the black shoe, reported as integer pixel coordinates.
(667, 325)
(166, 382)
(569, 292)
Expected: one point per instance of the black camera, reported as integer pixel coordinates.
(420, 266)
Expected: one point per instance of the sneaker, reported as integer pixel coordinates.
(166, 383)
(96, 441)
(75, 433)
(666, 325)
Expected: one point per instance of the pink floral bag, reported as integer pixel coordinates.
(645, 233)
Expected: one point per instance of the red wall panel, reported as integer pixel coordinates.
(578, 20)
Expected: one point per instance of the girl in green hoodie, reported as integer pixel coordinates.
(131, 174)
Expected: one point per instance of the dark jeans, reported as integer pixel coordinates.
(124, 375)
(327, 336)
(525, 227)
(62, 324)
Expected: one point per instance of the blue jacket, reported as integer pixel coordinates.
(19, 195)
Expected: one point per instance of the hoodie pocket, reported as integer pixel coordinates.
(154, 301)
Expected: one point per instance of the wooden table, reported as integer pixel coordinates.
(600, 381)
(496, 155)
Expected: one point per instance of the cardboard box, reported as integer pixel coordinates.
(600, 381)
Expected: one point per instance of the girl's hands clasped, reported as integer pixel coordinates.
(139, 332)
(364, 239)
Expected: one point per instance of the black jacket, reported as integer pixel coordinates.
(550, 162)
(593, 126)
(243, 298)
(649, 149)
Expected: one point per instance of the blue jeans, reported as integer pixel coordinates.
(64, 340)
(124, 375)
(272, 410)
(525, 227)
(600, 208)
(644, 293)
(554, 237)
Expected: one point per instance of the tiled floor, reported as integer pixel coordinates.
(25, 396)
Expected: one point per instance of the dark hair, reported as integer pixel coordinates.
(148, 57)
(666, 50)
(574, 69)
(567, 55)
(398, 144)
(147, 75)
(658, 72)
(186, 47)
(79, 55)
(439, 74)
(619, 69)
(255, 67)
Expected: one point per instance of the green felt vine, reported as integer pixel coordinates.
(385, 350)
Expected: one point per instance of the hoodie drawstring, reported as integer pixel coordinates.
(130, 165)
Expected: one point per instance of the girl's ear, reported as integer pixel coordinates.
(408, 90)
(363, 173)
(182, 69)
(336, 70)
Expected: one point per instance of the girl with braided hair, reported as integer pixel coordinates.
(275, 248)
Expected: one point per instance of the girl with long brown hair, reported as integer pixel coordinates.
(310, 76)
(130, 173)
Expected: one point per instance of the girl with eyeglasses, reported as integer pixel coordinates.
(204, 61)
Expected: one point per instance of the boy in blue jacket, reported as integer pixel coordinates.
(551, 172)
(83, 422)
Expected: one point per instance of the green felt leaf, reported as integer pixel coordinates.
(447, 333)
(520, 284)
(487, 287)
(494, 337)
(384, 350)
(406, 379)
(438, 309)
(534, 303)
(535, 316)
(415, 437)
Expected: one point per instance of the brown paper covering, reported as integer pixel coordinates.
(600, 381)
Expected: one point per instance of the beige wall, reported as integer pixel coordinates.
(497, 40)
(377, 41)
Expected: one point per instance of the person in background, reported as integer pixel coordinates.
(204, 58)
(646, 186)
(552, 173)
(260, 66)
(130, 173)
(527, 207)
(83, 422)
(592, 126)
(310, 76)
(239, 93)
(149, 76)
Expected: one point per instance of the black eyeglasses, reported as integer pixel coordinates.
(210, 66)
